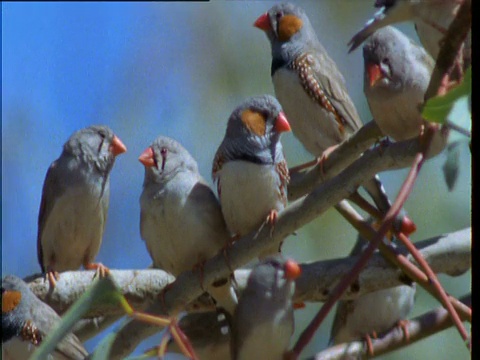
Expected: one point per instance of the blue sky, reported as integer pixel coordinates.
(175, 69)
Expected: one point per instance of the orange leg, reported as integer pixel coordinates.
(368, 340)
(403, 324)
(200, 265)
(303, 166)
(325, 156)
(101, 270)
(271, 220)
(52, 276)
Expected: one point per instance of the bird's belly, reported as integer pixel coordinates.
(390, 306)
(174, 244)
(267, 341)
(397, 115)
(315, 127)
(248, 193)
(73, 231)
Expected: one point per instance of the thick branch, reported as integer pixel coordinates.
(448, 254)
(391, 156)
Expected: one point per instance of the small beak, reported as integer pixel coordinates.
(117, 147)
(281, 124)
(263, 22)
(292, 270)
(147, 157)
(374, 73)
(408, 226)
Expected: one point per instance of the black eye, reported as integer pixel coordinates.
(386, 61)
(278, 15)
(163, 153)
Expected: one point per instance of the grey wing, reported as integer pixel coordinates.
(325, 70)
(52, 190)
(203, 198)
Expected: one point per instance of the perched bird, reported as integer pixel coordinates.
(377, 311)
(249, 167)
(181, 221)
(397, 74)
(26, 321)
(263, 322)
(311, 89)
(74, 206)
(431, 19)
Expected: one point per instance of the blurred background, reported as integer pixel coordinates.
(179, 69)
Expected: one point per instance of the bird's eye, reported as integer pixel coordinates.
(386, 61)
(163, 153)
(278, 15)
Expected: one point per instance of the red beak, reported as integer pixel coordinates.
(281, 124)
(147, 157)
(263, 22)
(117, 147)
(374, 73)
(408, 226)
(292, 270)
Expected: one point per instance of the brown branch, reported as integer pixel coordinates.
(419, 328)
(448, 254)
(452, 45)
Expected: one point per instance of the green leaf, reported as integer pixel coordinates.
(451, 168)
(102, 290)
(438, 108)
(102, 351)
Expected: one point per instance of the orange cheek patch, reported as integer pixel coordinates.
(289, 26)
(10, 300)
(254, 122)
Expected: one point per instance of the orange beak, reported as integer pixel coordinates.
(374, 73)
(147, 157)
(263, 22)
(408, 226)
(117, 147)
(292, 270)
(281, 124)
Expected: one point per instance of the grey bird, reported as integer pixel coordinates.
(26, 321)
(263, 322)
(397, 74)
(311, 89)
(249, 166)
(74, 205)
(377, 311)
(431, 19)
(181, 221)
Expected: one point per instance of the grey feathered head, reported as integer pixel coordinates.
(164, 158)
(253, 131)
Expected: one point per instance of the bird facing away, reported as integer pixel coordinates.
(249, 166)
(397, 74)
(181, 220)
(26, 321)
(263, 322)
(74, 205)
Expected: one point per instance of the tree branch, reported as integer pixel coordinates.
(419, 328)
(448, 254)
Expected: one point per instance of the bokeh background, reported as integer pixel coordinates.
(179, 69)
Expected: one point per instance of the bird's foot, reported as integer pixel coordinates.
(100, 269)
